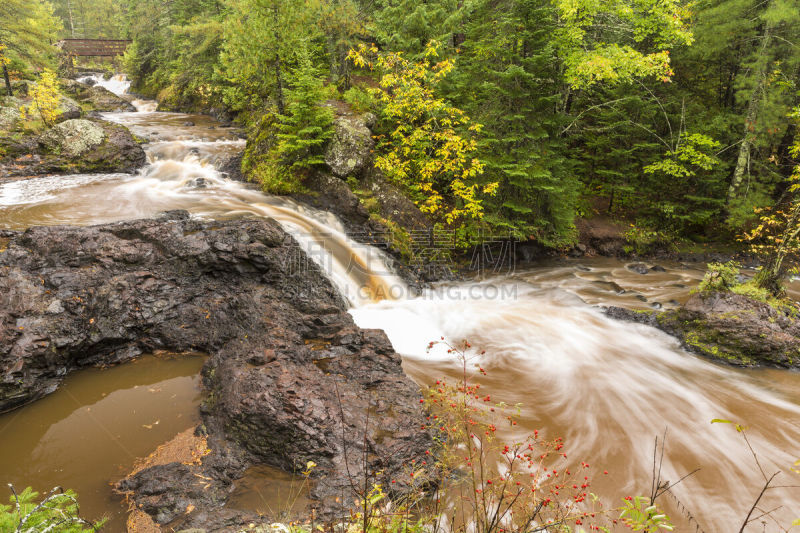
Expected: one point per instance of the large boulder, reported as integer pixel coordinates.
(290, 377)
(730, 328)
(350, 148)
(10, 117)
(101, 99)
(68, 109)
(73, 88)
(73, 137)
(71, 147)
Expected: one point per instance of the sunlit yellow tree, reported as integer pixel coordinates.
(431, 147)
(44, 99)
(777, 236)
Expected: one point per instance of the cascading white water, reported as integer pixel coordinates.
(119, 85)
(607, 387)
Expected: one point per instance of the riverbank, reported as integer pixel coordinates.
(74, 140)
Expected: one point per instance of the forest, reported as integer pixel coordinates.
(674, 117)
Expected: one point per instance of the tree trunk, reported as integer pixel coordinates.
(278, 74)
(743, 161)
(279, 84)
(9, 90)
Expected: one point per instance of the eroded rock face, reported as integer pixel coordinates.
(350, 148)
(290, 377)
(728, 327)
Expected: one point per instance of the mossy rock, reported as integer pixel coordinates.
(730, 328)
(71, 147)
(10, 118)
(73, 137)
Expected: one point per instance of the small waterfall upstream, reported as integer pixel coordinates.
(607, 387)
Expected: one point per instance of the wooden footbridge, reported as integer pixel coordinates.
(94, 47)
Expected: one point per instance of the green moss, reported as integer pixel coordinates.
(708, 341)
(398, 238)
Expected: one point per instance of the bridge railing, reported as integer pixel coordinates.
(94, 47)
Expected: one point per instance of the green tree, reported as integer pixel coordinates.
(307, 125)
(27, 31)
(58, 511)
(288, 146)
(777, 237)
(261, 37)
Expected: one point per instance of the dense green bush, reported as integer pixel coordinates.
(720, 277)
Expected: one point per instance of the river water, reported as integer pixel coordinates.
(607, 387)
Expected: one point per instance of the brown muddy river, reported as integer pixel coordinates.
(607, 387)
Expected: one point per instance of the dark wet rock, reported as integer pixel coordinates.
(71, 147)
(393, 205)
(579, 250)
(197, 183)
(283, 352)
(601, 237)
(231, 167)
(728, 327)
(101, 99)
(334, 195)
(529, 251)
(639, 268)
(188, 123)
(610, 285)
(657, 268)
(221, 115)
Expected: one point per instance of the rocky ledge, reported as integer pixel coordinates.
(97, 98)
(290, 378)
(70, 147)
(728, 327)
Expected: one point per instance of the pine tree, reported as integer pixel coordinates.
(306, 127)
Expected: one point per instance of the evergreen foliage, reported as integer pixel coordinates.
(287, 146)
(668, 114)
(27, 30)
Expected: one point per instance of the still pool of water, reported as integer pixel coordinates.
(90, 431)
